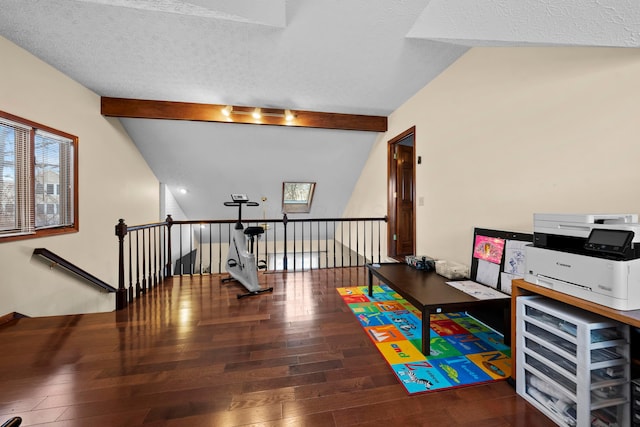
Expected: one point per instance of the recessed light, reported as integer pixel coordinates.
(288, 115)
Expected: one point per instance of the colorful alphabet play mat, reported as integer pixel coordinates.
(464, 351)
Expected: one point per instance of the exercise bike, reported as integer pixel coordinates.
(241, 264)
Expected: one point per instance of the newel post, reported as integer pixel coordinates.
(121, 293)
(169, 222)
(285, 220)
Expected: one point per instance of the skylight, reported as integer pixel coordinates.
(297, 196)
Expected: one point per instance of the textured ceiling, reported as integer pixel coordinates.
(337, 56)
(343, 56)
(540, 22)
(266, 12)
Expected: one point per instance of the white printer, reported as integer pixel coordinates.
(589, 256)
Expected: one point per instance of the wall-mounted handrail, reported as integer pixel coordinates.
(13, 422)
(58, 260)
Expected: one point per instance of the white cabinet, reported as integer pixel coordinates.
(572, 364)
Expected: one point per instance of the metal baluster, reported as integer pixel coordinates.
(138, 284)
(342, 243)
(294, 246)
(130, 287)
(349, 250)
(191, 260)
(255, 244)
(180, 254)
(302, 242)
(148, 247)
(371, 259)
(200, 251)
(357, 243)
(275, 249)
(219, 248)
(378, 237)
(310, 245)
(318, 236)
(334, 244)
(144, 263)
(161, 250)
(326, 244)
(265, 244)
(155, 256)
(210, 248)
(154, 301)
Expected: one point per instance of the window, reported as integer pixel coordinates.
(297, 196)
(38, 180)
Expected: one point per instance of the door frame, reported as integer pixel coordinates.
(391, 187)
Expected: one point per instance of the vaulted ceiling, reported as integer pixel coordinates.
(363, 57)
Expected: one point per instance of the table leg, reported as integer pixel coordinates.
(370, 282)
(426, 332)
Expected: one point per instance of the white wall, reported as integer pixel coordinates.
(506, 132)
(114, 182)
(170, 206)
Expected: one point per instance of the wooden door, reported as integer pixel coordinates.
(404, 200)
(401, 195)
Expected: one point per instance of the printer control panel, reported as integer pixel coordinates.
(607, 241)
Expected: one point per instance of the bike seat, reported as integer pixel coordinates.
(253, 231)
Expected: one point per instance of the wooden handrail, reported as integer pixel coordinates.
(273, 220)
(57, 260)
(13, 422)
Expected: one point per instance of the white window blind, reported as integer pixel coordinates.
(16, 208)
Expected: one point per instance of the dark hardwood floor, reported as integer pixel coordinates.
(191, 354)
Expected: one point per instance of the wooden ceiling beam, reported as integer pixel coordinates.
(169, 110)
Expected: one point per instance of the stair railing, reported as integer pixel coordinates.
(148, 251)
(152, 252)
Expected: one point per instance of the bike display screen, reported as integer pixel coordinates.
(239, 197)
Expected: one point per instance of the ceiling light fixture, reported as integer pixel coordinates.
(257, 113)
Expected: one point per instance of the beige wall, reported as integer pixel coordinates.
(114, 182)
(506, 132)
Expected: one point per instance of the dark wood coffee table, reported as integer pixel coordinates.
(429, 292)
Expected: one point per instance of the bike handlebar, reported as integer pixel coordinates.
(241, 203)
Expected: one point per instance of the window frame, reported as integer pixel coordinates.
(74, 199)
(302, 207)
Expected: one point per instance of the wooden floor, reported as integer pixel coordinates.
(191, 354)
